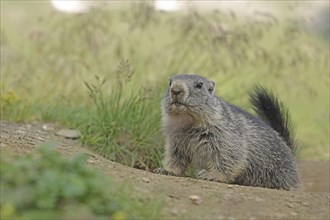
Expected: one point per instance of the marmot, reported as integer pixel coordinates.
(224, 142)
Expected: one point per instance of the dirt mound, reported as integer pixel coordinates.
(186, 197)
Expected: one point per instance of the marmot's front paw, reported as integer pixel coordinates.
(206, 175)
(162, 171)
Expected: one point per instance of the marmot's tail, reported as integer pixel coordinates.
(274, 113)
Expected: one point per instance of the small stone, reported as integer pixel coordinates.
(146, 180)
(174, 212)
(90, 161)
(41, 138)
(195, 199)
(173, 196)
(258, 199)
(230, 186)
(290, 205)
(305, 204)
(21, 131)
(69, 133)
(47, 127)
(293, 213)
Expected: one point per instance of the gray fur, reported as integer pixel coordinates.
(224, 142)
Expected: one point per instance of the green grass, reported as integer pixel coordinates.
(48, 71)
(56, 188)
(120, 127)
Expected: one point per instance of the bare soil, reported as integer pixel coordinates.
(187, 198)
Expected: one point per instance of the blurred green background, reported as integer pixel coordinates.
(104, 72)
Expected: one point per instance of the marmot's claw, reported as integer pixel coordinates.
(205, 175)
(162, 171)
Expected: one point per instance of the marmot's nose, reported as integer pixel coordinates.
(175, 90)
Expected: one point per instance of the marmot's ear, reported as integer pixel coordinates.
(211, 87)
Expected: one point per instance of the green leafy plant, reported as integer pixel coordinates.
(54, 187)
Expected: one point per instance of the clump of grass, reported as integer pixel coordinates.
(52, 187)
(124, 122)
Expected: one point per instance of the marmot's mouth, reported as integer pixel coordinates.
(176, 103)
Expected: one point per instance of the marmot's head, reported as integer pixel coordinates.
(188, 95)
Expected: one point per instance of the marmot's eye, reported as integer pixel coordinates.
(199, 85)
(170, 83)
